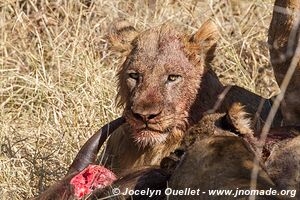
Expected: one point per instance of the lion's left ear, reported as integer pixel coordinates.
(204, 41)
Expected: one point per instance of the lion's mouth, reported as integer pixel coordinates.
(147, 137)
(149, 127)
(148, 133)
(139, 125)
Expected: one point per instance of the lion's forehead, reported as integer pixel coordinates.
(158, 37)
(162, 45)
(170, 56)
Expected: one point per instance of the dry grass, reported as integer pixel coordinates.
(57, 83)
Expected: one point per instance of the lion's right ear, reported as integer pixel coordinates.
(121, 35)
(204, 41)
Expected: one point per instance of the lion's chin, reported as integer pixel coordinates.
(149, 138)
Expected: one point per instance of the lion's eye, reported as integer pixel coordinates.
(172, 77)
(134, 75)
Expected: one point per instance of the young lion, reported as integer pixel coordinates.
(166, 86)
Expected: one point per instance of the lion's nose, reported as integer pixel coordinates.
(145, 116)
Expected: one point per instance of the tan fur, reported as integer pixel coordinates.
(284, 27)
(165, 86)
(239, 119)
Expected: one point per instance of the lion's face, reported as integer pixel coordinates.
(158, 83)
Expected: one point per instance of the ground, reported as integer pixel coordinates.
(57, 73)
